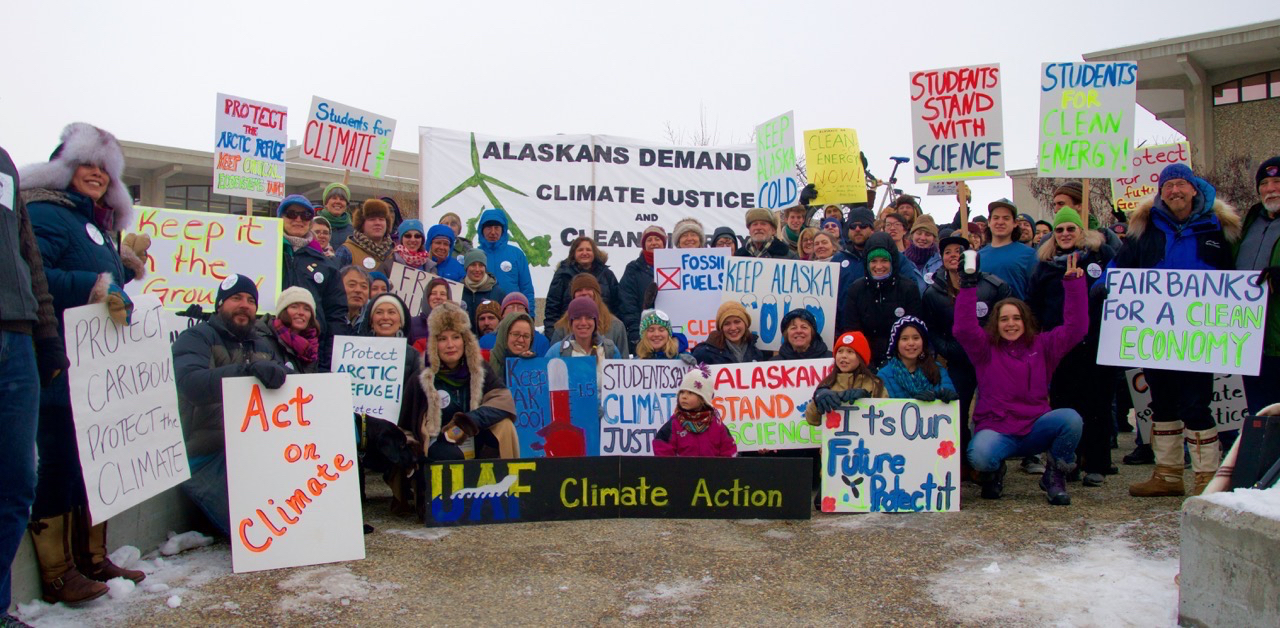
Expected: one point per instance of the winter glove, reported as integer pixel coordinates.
(946, 395)
(268, 372)
(689, 360)
(119, 306)
(462, 427)
(826, 400)
(854, 394)
(51, 358)
(138, 244)
(925, 395)
(1270, 275)
(194, 311)
(809, 193)
(970, 280)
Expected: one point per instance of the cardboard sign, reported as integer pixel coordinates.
(557, 406)
(1144, 177)
(342, 136)
(292, 482)
(833, 162)
(250, 138)
(193, 252)
(610, 487)
(891, 455)
(125, 404)
(637, 397)
(1229, 405)
(1086, 118)
(763, 403)
(410, 284)
(690, 288)
(376, 368)
(957, 124)
(776, 163)
(1183, 320)
(942, 188)
(769, 288)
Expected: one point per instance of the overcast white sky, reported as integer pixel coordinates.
(149, 71)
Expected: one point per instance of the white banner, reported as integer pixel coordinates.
(1144, 177)
(1086, 118)
(557, 187)
(410, 284)
(690, 288)
(763, 403)
(292, 483)
(376, 367)
(342, 136)
(250, 138)
(637, 397)
(776, 163)
(125, 404)
(1183, 320)
(957, 124)
(769, 288)
(1229, 405)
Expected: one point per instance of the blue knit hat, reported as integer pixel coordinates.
(1175, 171)
(378, 275)
(412, 224)
(294, 199)
(440, 231)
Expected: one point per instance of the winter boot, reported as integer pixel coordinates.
(1142, 454)
(91, 552)
(1054, 480)
(1031, 465)
(992, 482)
(1203, 445)
(60, 581)
(1166, 480)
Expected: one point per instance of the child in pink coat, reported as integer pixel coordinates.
(695, 429)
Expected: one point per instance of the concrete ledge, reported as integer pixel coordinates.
(145, 526)
(1230, 567)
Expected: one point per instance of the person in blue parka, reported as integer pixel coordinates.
(506, 261)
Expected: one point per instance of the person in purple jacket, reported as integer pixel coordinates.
(1014, 365)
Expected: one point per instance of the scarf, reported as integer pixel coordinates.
(696, 421)
(648, 257)
(738, 349)
(478, 286)
(791, 236)
(305, 344)
(377, 250)
(104, 217)
(413, 259)
(919, 256)
(458, 379)
(299, 242)
(337, 222)
(910, 383)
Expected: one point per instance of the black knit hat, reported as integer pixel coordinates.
(1269, 168)
(233, 285)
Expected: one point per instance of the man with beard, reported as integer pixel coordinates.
(1259, 249)
(762, 226)
(224, 346)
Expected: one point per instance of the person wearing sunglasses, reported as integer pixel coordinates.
(1079, 383)
(853, 258)
(412, 249)
(306, 266)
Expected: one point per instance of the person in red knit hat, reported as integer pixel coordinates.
(849, 381)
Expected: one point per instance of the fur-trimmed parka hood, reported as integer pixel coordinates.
(1140, 218)
(449, 317)
(80, 144)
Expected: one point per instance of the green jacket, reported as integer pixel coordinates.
(1271, 341)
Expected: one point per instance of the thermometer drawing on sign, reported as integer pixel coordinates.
(561, 437)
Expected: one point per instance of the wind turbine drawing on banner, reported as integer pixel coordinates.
(478, 180)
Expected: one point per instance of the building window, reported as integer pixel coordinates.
(201, 198)
(1259, 86)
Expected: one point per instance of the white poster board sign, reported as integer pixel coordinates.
(637, 397)
(292, 481)
(410, 284)
(769, 288)
(776, 163)
(763, 403)
(250, 138)
(690, 289)
(125, 404)
(1183, 320)
(1086, 118)
(1229, 405)
(376, 368)
(344, 137)
(957, 124)
(1144, 177)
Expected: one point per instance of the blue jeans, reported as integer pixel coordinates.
(1264, 389)
(1056, 431)
(19, 412)
(208, 489)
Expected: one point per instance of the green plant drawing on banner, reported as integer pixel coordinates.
(536, 249)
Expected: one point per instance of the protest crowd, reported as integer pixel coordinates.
(997, 314)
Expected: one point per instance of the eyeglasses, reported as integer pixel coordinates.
(412, 235)
(521, 336)
(1065, 229)
(298, 214)
(859, 225)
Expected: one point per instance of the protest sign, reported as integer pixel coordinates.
(636, 399)
(1144, 176)
(1086, 118)
(250, 138)
(610, 487)
(557, 406)
(1229, 405)
(891, 455)
(292, 484)
(555, 188)
(690, 288)
(193, 252)
(942, 188)
(410, 284)
(763, 403)
(833, 163)
(776, 163)
(1210, 321)
(376, 367)
(342, 136)
(957, 124)
(769, 288)
(124, 401)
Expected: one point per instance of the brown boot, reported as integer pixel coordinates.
(1205, 456)
(60, 581)
(91, 552)
(1166, 480)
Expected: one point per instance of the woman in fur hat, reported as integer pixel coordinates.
(469, 408)
(585, 284)
(689, 234)
(584, 257)
(370, 246)
(293, 330)
(78, 204)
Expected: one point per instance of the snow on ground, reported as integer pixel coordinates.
(1261, 502)
(168, 579)
(1104, 581)
(318, 590)
(669, 602)
(422, 534)
(832, 523)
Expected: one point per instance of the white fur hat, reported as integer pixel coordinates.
(80, 144)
